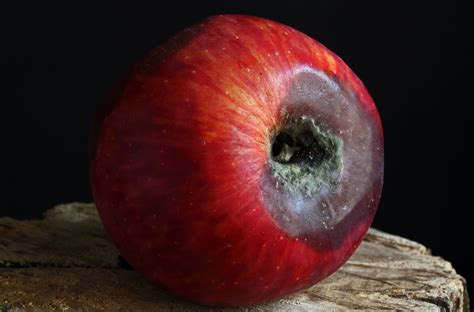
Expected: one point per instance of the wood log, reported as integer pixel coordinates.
(66, 262)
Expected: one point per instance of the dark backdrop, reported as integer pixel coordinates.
(57, 62)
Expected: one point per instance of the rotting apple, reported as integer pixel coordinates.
(238, 163)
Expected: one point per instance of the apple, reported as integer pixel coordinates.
(238, 163)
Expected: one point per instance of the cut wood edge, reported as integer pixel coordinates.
(69, 252)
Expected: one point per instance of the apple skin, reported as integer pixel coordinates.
(180, 157)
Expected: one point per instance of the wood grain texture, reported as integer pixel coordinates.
(66, 262)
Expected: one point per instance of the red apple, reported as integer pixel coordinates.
(238, 163)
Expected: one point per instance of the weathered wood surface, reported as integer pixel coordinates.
(66, 262)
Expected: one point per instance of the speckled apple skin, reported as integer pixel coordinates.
(179, 163)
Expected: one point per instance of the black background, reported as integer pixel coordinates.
(57, 61)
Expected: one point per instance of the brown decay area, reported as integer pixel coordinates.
(324, 157)
(66, 262)
(306, 157)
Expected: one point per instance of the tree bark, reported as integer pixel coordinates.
(66, 262)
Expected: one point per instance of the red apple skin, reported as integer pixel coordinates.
(180, 163)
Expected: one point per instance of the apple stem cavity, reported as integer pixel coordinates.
(305, 157)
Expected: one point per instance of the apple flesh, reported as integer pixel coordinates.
(240, 162)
